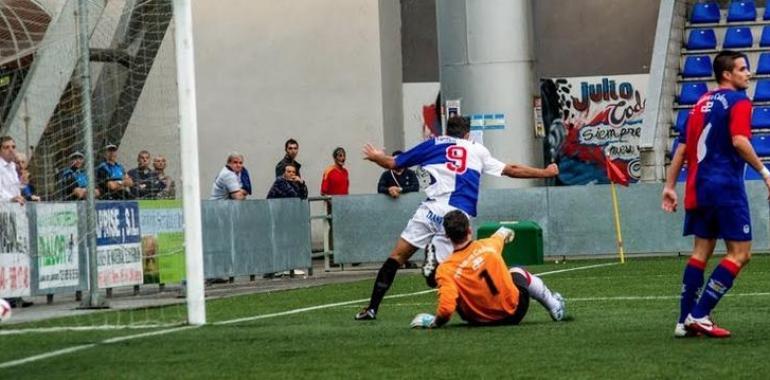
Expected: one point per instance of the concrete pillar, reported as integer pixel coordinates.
(486, 59)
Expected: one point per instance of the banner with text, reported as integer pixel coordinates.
(118, 244)
(58, 253)
(162, 224)
(15, 260)
(588, 119)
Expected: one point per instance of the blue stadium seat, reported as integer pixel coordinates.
(752, 174)
(704, 13)
(761, 144)
(691, 92)
(762, 91)
(697, 66)
(738, 37)
(766, 16)
(742, 11)
(702, 39)
(681, 120)
(764, 40)
(760, 118)
(763, 66)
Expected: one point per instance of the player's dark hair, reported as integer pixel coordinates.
(338, 150)
(725, 61)
(456, 225)
(288, 142)
(5, 138)
(458, 126)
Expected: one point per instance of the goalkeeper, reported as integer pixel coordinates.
(475, 281)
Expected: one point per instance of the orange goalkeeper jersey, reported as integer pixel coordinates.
(476, 280)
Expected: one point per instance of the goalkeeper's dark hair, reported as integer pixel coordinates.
(456, 225)
(458, 126)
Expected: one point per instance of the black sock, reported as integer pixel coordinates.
(384, 279)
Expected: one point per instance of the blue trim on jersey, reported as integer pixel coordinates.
(466, 192)
(115, 171)
(425, 153)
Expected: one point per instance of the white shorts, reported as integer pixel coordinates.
(427, 227)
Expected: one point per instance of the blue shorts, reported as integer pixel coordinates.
(719, 222)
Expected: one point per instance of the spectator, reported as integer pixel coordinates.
(228, 183)
(146, 182)
(22, 168)
(291, 147)
(111, 178)
(290, 185)
(169, 187)
(10, 189)
(397, 181)
(335, 179)
(74, 179)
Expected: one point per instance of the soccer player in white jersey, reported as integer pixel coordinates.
(455, 165)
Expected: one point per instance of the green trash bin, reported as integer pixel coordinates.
(526, 248)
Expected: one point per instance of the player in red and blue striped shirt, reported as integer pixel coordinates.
(716, 147)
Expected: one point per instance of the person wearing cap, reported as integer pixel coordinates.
(111, 177)
(73, 179)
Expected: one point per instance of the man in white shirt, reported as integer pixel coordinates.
(228, 183)
(10, 187)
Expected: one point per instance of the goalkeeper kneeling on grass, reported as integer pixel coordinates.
(475, 281)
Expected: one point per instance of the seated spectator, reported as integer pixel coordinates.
(10, 189)
(146, 182)
(73, 180)
(291, 147)
(335, 178)
(228, 183)
(398, 181)
(290, 185)
(111, 178)
(169, 187)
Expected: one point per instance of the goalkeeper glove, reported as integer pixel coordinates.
(506, 233)
(423, 320)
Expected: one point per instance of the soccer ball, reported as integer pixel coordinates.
(5, 310)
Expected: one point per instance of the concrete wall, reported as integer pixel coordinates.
(594, 37)
(308, 69)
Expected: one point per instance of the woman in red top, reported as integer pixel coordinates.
(335, 179)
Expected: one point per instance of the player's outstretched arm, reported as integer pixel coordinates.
(746, 151)
(378, 156)
(669, 197)
(524, 171)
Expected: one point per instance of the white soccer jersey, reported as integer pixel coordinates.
(455, 166)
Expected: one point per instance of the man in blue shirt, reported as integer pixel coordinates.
(716, 147)
(111, 178)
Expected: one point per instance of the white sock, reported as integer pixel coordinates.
(538, 290)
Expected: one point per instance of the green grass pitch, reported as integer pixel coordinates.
(622, 320)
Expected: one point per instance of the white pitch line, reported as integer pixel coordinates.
(47, 330)
(68, 350)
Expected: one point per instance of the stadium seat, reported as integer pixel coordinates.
(691, 92)
(704, 13)
(742, 11)
(752, 174)
(702, 39)
(697, 66)
(761, 144)
(681, 120)
(762, 91)
(738, 37)
(764, 40)
(760, 118)
(763, 66)
(766, 16)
